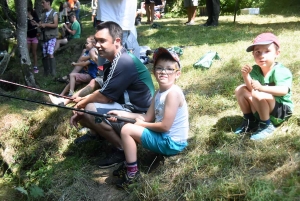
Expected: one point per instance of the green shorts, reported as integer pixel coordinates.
(279, 114)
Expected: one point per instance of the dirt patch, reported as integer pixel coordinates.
(96, 184)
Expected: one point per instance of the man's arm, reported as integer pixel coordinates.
(73, 32)
(49, 25)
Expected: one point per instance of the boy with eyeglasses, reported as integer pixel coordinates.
(164, 128)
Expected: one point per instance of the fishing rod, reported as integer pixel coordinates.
(36, 89)
(71, 108)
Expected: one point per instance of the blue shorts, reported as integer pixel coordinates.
(161, 143)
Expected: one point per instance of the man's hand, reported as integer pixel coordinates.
(80, 104)
(246, 70)
(75, 119)
(256, 85)
(42, 25)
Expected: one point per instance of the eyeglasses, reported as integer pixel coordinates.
(167, 70)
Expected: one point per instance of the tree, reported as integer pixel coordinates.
(38, 7)
(21, 10)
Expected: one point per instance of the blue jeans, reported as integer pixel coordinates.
(77, 14)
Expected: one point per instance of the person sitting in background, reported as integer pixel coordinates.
(85, 75)
(159, 10)
(69, 31)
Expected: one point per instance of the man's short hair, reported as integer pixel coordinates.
(114, 29)
(71, 15)
(49, 1)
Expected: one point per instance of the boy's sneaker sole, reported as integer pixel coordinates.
(263, 133)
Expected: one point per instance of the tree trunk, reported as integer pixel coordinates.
(38, 7)
(21, 10)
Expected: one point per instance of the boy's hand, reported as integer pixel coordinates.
(73, 63)
(246, 70)
(256, 85)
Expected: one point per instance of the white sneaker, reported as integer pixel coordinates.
(56, 100)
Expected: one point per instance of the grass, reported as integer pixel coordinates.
(36, 141)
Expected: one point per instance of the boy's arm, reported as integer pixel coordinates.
(93, 55)
(246, 76)
(54, 25)
(274, 90)
(82, 63)
(172, 103)
(83, 58)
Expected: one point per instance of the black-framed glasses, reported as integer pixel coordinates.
(167, 70)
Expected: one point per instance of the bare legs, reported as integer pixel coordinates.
(150, 12)
(130, 134)
(261, 102)
(191, 13)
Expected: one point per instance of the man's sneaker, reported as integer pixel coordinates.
(111, 160)
(121, 171)
(87, 137)
(246, 126)
(263, 131)
(56, 100)
(127, 181)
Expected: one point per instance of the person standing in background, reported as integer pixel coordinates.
(191, 6)
(213, 12)
(32, 41)
(49, 28)
(66, 10)
(61, 9)
(123, 13)
(94, 6)
(77, 9)
(149, 7)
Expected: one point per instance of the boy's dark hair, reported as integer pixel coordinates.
(114, 29)
(71, 14)
(49, 1)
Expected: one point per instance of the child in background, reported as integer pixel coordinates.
(164, 128)
(32, 40)
(265, 98)
(83, 76)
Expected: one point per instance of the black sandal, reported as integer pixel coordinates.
(64, 79)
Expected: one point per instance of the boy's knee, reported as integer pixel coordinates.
(257, 95)
(73, 75)
(126, 129)
(240, 89)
